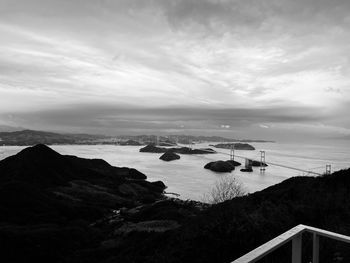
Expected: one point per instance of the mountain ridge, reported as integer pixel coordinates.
(28, 137)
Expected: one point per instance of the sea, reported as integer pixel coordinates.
(187, 177)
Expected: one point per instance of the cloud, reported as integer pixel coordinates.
(207, 63)
(264, 126)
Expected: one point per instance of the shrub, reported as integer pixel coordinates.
(226, 188)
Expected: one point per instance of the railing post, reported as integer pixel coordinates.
(296, 248)
(295, 235)
(315, 248)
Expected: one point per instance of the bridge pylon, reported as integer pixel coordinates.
(232, 152)
(262, 161)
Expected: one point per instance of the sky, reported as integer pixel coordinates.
(258, 69)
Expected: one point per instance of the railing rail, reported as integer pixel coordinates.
(294, 235)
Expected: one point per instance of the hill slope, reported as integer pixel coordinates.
(48, 202)
(228, 230)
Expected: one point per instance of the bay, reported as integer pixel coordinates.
(187, 176)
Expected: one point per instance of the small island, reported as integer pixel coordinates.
(222, 166)
(169, 156)
(152, 148)
(236, 146)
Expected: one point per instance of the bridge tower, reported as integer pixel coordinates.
(232, 152)
(262, 161)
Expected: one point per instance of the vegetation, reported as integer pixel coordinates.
(226, 188)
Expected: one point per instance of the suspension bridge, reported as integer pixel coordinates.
(263, 161)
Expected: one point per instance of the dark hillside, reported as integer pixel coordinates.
(229, 230)
(42, 166)
(48, 202)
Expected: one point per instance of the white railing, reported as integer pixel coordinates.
(294, 235)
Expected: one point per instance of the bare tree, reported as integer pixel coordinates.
(226, 188)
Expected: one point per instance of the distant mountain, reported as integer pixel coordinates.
(31, 137)
(184, 139)
(6, 128)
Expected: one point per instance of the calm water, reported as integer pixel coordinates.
(187, 176)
